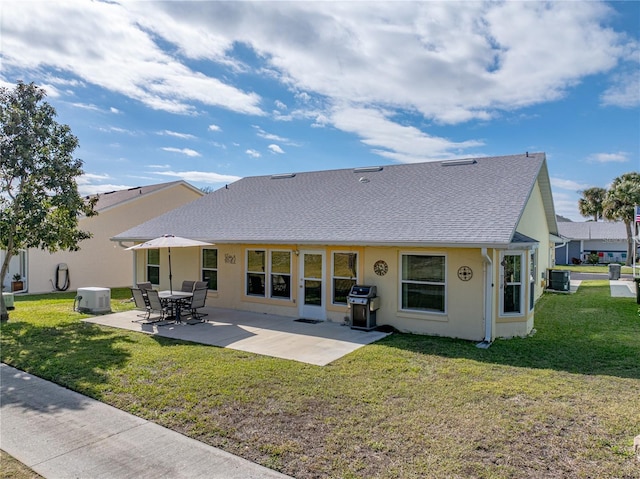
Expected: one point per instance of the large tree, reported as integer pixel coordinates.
(39, 201)
(619, 204)
(591, 202)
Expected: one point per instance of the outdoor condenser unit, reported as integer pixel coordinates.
(560, 280)
(94, 300)
(8, 300)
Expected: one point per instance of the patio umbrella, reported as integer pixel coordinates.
(169, 241)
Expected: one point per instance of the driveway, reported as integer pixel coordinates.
(270, 335)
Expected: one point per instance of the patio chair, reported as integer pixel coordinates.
(201, 285)
(145, 286)
(198, 301)
(141, 302)
(155, 306)
(187, 286)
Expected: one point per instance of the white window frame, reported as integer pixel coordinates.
(271, 273)
(248, 271)
(203, 269)
(444, 283)
(147, 264)
(268, 272)
(522, 282)
(533, 274)
(334, 277)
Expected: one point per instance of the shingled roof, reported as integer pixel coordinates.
(590, 230)
(460, 202)
(113, 198)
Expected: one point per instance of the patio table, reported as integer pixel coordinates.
(174, 298)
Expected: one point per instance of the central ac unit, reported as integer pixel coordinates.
(94, 300)
(560, 280)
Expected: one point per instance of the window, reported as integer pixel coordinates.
(256, 267)
(277, 282)
(533, 273)
(153, 266)
(512, 284)
(423, 283)
(281, 274)
(345, 267)
(210, 268)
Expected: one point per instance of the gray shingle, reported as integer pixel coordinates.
(112, 198)
(420, 203)
(589, 230)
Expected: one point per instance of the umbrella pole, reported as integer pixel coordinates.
(170, 276)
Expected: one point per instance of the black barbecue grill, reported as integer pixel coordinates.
(363, 304)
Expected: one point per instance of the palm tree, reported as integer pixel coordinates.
(619, 204)
(591, 202)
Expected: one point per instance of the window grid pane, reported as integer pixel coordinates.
(153, 266)
(255, 260)
(345, 267)
(512, 295)
(280, 278)
(423, 268)
(423, 283)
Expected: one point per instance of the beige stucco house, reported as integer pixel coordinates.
(455, 248)
(99, 262)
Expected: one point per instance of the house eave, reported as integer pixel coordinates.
(351, 243)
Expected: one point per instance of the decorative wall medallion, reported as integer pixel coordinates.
(465, 273)
(380, 267)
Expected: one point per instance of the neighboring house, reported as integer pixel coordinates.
(606, 239)
(99, 262)
(455, 248)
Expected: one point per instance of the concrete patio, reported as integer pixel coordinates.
(269, 335)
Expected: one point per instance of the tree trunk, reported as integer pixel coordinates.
(4, 313)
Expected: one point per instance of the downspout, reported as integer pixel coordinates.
(487, 269)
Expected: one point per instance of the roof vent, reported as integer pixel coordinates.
(364, 180)
(282, 176)
(367, 169)
(459, 162)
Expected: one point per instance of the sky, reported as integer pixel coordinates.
(210, 92)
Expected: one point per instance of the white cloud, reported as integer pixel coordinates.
(183, 151)
(201, 176)
(567, 184)
(114, 110)
(405, 144)
(103, 43)
(624, 92)
(88, 178)
(620, 157)
(214, 128)
(184, 136)
(253, 153)
(275, 149)
(270, 136)
(116, 129)
(86, 106)
(447, 62)
(567, 205)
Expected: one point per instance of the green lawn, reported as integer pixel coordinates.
(592, 268)
(562, 403)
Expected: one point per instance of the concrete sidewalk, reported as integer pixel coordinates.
(62, 434)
